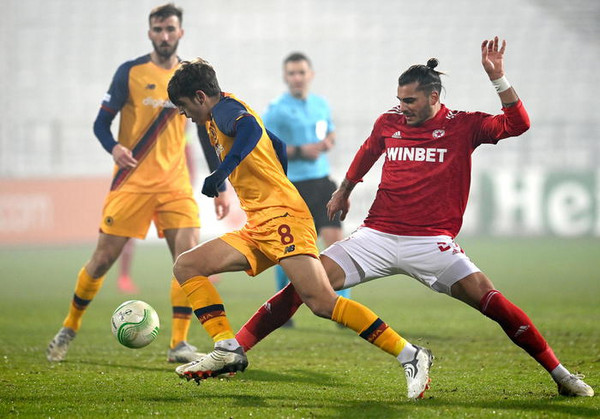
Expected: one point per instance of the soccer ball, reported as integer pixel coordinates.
(135, 324)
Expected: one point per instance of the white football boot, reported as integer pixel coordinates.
(417, 373)
(59, 345)
(573, 385)
(220, 361)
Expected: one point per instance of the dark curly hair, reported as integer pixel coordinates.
(190, 77)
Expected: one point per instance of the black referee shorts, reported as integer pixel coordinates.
(316, 194)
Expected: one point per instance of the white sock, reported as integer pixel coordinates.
(407, 354)
(229, 344)
(559, 372)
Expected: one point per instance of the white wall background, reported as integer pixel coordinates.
(58, 58)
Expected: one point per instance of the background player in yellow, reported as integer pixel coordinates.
(279, 229)
(151, 180)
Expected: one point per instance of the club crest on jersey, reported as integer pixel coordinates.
(438, 133)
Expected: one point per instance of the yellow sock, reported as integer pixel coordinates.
(85, 290)
(366, 323)
(208, 307)
(182, 314)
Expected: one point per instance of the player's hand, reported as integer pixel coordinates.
(222, 205)
(339, 203)
(123, 157)
(212, 183)
(492, 57)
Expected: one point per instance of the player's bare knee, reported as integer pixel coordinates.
(187, 266)
(181, 268)
(472, 288)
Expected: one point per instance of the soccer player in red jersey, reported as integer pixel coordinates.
(419, 207)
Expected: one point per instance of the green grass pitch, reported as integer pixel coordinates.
(315, 369)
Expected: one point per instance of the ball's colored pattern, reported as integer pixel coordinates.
(135, 324)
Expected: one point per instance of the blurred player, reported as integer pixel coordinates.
(279, 229)
(303, 121)
(125, 282)
(419, 207)
(150, 182)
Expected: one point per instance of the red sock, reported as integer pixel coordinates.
(519, 328)
(269, 317)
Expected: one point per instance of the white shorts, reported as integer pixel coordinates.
(367, 254)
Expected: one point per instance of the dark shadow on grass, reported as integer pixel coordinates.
(540, 406)
(289, 376)
(296, 376)
(269, 401)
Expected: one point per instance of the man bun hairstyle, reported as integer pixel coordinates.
(190, 77)
(432, 63)
(426, 76)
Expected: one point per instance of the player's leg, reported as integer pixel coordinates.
(341, 270)
(478, 291)
(331, 234)
(282, 281)
(176, 219)
(361, 258)
(89, 282)
(310, 281)
(125, 283)
(317, 194)
(180, 240)
(280, 308)
(192, 269)
(273, 314)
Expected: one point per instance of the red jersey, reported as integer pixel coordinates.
(426, 175)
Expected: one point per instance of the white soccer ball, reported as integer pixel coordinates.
(135, 324)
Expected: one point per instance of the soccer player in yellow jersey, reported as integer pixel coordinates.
(279, 230)
(150, 182)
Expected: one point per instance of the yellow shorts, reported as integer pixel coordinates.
(129, 214)
(266, 244)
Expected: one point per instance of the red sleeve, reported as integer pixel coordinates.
(367, 155)
(512, 122)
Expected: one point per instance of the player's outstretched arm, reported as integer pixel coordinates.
(492, 59)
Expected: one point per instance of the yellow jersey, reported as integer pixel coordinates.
(259, 179)
(150, 126)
